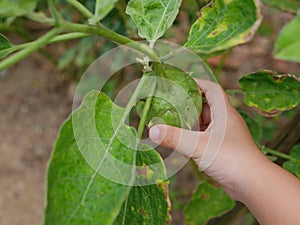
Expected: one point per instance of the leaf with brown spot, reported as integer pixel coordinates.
(270, 93)
(224, 24)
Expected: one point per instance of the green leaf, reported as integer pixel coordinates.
(269, 93)
(148, 204)
(224, 24)
(288, 43)
(17, 7)
(177, 100)
(77, 191)
(153, 17)
(4, 44)
(290, 6)
(293, 165)
(102, 8)
(206, 203)
(254, 126)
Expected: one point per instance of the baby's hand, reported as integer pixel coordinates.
(223, 147)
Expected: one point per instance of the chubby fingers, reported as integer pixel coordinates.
(180, 140)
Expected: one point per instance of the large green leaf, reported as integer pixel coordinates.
(293, 165)
(77, 191)
(206, 203)
(287, 5)
(224, 24)
(4, 44)
(147, 204)
(102, 8)
(288, 43)
(16, 7)
(180, 105)
(153, 17)
(269, 93)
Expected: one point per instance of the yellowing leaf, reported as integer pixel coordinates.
(224, 24)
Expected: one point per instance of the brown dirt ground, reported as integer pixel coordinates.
(34, 102)
(35, 99)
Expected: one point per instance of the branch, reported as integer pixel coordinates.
(34, 46)
(81, 8)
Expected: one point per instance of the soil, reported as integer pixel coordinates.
(35, 98)
(34, 101)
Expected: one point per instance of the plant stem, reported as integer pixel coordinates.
(34, 46)
(146, 109)
(234, 91)
(56, 39)
(111, 35)
(81, 8)
(57, 17)
(278, 154)
(68, 37)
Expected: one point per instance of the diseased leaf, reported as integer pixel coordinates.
(147, 204)
(77, 191)
(224, 24)
(288, 43)
(293, 165)
(254, 126)
(177, 100)
(290, 6)
(270, 94)
(4, 44)
(17, 7)
(206, 203)
(153, 17)
(102, 8)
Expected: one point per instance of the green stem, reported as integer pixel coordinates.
(146, 109)
(56, 39)
(57, 17)
(109, 34)
(68, 37)
(234, 91)
(81, 8)
(41, 18)
(34, 46)
(278, 154)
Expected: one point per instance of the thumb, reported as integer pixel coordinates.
(178, 139)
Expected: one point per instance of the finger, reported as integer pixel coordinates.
(216, 99)
(180, 140)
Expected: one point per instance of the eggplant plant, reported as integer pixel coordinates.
(96, 143)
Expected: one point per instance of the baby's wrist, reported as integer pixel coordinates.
(249, 177)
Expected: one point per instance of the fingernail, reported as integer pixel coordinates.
(155, 133)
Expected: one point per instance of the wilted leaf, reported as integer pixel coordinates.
(288, 43)
(148, 204)
(17, 7)
(254, 126)
(287, 5)
(102, 8)
(224, 24)
(293, 165)
(153, 17)
(78, 193)
(270, 94)
(177, 100)
(206, 203)
(4, 44)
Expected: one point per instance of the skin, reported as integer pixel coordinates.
(271, 193)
